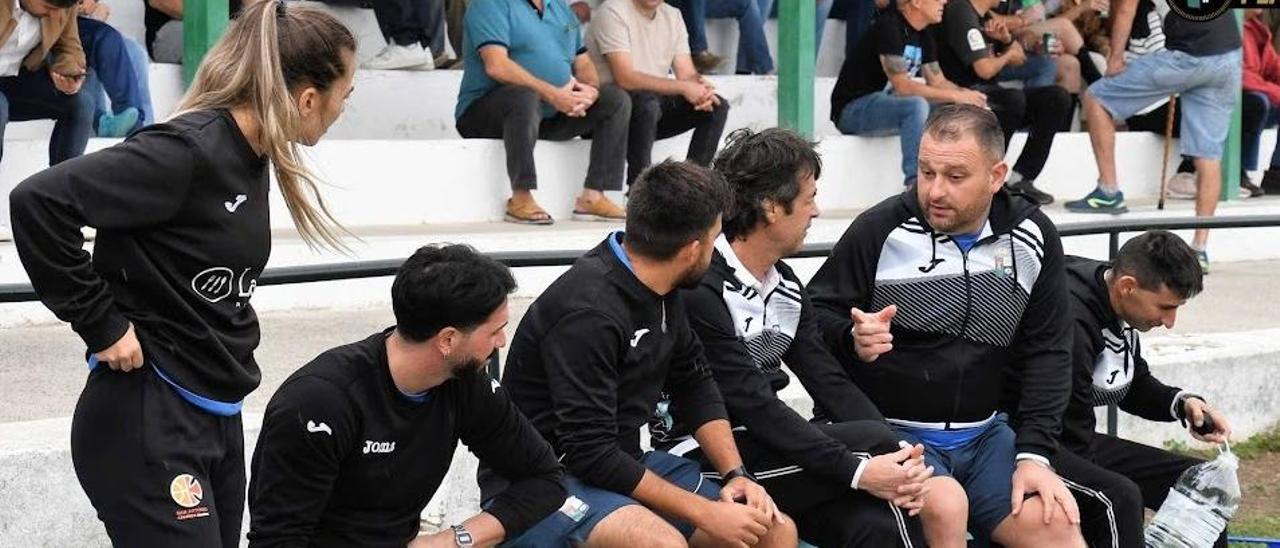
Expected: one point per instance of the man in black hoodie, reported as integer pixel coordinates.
(752, 315)
(1153, 275)
(589, 363)
(963, 279)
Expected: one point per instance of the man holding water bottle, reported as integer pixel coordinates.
(1114, 479)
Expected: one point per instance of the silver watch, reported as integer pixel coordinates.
(462, 537)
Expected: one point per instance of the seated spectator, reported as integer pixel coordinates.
(163, 22)
(412, 29)
(1261, 79)
(928, 297)
(42, 67)
(968, 59)
(593, 356)
(753, 47)
(527, 76)
(118, 71)
(369, 429)
(1201, 63)
(1029, 21)
(846, 482)
(1152, 276)
(880, 90)
(635, 44)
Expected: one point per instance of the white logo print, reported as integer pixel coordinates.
(493, 385)
(313, 427)
(214, 284)
(635, 339)
(233, 206)
(371, 446)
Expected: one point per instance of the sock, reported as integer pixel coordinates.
(1108, 192)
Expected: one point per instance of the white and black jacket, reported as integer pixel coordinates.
(962, 317)
(747, 337)
(1107, 362)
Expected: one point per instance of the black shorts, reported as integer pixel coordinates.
(828, 513)
(159, 471)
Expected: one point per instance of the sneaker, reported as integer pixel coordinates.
(117, 125)
(1271, 181)
(1248, 189)
(1203, 257)
(1182, 186)
(1098, 202)
(706, 62)
(398, 57)
(1028, 188)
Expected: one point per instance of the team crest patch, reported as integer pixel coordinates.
(976, 42)
(186, 491)
(1003, 263)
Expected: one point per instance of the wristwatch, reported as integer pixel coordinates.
(739, 472)
(462, 537)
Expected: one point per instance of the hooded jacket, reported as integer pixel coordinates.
(1261, 72)
(1107, 363)
(962, 316)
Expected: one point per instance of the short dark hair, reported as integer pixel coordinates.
(952, 121)
(447, 286)
(64, 4)
(672, 204)
(763, 166)
(1160, 258)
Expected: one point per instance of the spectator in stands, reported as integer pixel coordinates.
(369, 429)
(414, 31)
(1028, 21)
(968, 59)
(528, 77)
(943, 287)
(753, 47)
(752, 316)
(42, 67)
(880, 90)
(118, 70)
(163, 303)
(1152, 276)
(1261, 79)
(591, 359)
(635, 44)
(1201, 63)
(163, 22)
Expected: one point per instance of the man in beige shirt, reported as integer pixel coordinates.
(638, 44)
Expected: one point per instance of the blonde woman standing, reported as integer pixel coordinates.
(162, 304)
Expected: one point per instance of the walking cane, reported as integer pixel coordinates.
(1168, 141)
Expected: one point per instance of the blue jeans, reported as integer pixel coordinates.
(31, 96)
(820, 14)
(117, 70)
(1259, 114)
(1039, 71)
(753, 47)
(882, 113)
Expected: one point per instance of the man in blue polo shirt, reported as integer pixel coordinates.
(532, 79)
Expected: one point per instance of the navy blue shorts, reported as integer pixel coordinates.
(984, 467)
(586, 505)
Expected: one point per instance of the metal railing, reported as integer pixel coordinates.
(1112, 228)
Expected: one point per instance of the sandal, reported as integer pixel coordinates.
(601, 210)
(528, 214)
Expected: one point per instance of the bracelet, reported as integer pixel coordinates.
(739, 472)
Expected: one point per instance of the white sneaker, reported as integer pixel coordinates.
(1182, 186)
(397, 57)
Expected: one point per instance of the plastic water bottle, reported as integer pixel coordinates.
(1198, 507)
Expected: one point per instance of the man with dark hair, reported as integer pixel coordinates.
(892, 75)
(355, 443)
(752, 315)
(968, 58)
(959, 280)
(1152, 276)
(591, 359)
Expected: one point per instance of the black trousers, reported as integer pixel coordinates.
(656, 117)
(406, 22)
(827, 512)
(1045, 111)
(514, 114)
(159, 471)
(1114, 486)
(32, 96)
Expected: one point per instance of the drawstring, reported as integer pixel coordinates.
(664, 315)
(1127, 334)
(1014, 254)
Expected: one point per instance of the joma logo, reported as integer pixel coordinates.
(379, 446)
